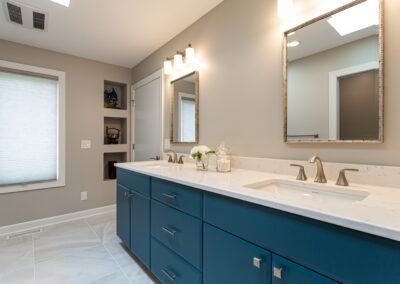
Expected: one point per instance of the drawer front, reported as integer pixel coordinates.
(170, 268)
(178, 231)
(345, 255)
(135, 181)
(287, 272)
(179, 196)
(228, 259)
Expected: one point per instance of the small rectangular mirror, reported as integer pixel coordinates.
(184, 108)
(333, 76)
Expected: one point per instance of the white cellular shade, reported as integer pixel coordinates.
(28, 129)
(188, 120)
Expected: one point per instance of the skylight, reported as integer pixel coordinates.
(62, 2)
(356, 18)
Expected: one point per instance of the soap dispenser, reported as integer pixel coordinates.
(223, 158)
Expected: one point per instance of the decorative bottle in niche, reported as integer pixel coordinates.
(223, 158)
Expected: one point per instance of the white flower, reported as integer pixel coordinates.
(202, 149)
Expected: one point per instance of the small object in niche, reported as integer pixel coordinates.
(112, 135)
(223, 158)
(112, 170)
(111, 98)
(200, 154)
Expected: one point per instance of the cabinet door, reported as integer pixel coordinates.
(140, 227)
(123, 215)
(287, 272)
(228, 259)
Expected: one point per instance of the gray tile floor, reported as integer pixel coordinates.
(75, 252)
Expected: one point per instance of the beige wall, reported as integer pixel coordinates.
(241, 101)
(308, 84)
(84, 110)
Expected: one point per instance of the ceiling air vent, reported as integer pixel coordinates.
(25, 15)
(14, 13)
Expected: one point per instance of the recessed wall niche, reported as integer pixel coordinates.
(121, 93)
(115, 130)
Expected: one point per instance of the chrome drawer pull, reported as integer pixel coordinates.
(278, 272)
(257, 262)
(171, 232)
(171, 277)
(172, 196)
(130, 195)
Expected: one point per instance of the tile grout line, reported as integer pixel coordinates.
(113, 258)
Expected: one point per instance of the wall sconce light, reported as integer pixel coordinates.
(284, 8)
(180, 59)
(168, 67)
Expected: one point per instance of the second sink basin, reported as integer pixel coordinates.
(312, 191)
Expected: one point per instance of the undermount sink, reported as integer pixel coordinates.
(157, 164)
(308, 190)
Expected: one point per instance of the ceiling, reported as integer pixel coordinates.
(321, 36)
(121, 32)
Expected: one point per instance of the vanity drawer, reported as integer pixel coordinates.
(184, 198)
(342, 254)
(178, 231)
(135, 181)
(170, 268)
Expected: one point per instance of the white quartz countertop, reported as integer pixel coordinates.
(377, 214)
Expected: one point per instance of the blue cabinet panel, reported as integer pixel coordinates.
(228, 259)
(179, 196)
(178, 231)
(140, 227)
(168, 267)
(123, 215)
(134, 181)
(342, 254)
(287, 272)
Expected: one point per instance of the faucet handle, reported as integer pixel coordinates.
(170, 160)
(342, 180)
(302, 173)
(181, 159)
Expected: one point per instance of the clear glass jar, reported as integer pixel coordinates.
(202, 165)
(223, 158)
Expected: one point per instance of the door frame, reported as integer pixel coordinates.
(154, 76)
(334, 94)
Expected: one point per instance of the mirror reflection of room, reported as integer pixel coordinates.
(184, 109)
(333, 77)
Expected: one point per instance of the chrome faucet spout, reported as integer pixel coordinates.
(320, 177)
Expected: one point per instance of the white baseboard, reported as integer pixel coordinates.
(5, 230)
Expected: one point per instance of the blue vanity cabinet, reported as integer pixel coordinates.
(228, 259)
(123, 215)
(140, 227)
(287, 272)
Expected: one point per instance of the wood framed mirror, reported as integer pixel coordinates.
(184, 110)
(333, 77)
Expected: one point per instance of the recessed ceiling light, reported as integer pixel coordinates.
(62, 2)
(293, 43)
(356, 18)
(290, 34)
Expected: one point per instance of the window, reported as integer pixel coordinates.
(32, 128)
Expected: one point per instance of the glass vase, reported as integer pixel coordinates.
(202, 164)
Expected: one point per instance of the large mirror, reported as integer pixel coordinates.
(184, 100)
(333, 76)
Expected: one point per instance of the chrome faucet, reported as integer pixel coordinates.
(320, 177)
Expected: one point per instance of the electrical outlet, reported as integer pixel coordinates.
(86, 144)
(84, 195)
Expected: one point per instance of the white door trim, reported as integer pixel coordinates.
(334, 94)
(154, 76)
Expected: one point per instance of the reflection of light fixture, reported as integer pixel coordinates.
(178, 61)
(62, 2)
(356, 18)
(284, 8)
(290, 34)
(293, 43)
(189, 54)
(167, 67)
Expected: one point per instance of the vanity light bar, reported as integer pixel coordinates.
(188, 54)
